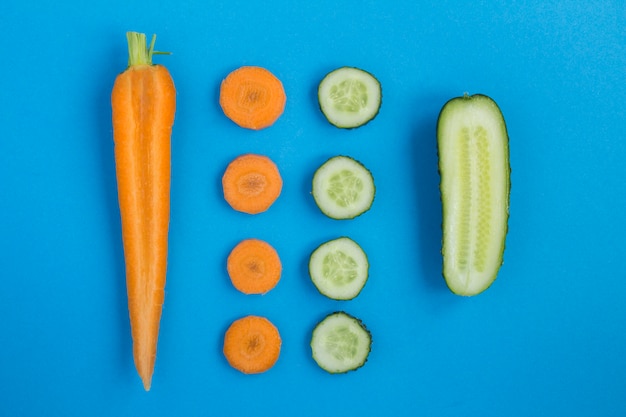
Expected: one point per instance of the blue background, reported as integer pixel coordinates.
(548, 338)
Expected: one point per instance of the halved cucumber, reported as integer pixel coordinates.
(343, 188)
(340, 343)
(349, 97)
(475, 184)
(339, 268)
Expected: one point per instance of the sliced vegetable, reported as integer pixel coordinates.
(340, 343)
(343, 188)
(254, 266)
(252, 97)
(475, 185)
(339, 268)
(349, 97)
(252, 344)
(143, 104)
(251, 183)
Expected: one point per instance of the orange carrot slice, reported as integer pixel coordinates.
(251, 183)
(254, 266)
(252, 97)
(252, 344)
(143, 104)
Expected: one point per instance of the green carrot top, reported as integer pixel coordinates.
(139, 52)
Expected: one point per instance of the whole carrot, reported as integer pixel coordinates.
(143, 105)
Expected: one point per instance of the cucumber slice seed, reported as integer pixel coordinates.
(475, 185)
(339, 268)
(349, 97)
(340, 343)
(343, 188)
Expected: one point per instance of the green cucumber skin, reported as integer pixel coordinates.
(460, 104)
(362, 325)
(380, 103)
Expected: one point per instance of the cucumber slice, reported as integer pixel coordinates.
(473, 148)
(340, 343)
(349, 97)
(339, 268)
(343, 188)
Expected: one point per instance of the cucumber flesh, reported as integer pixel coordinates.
(339, 268)
(343, 188)
(340, 343)
(473, 147)
(349, 97)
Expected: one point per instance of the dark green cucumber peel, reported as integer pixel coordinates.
(340, 343)
(473, 148)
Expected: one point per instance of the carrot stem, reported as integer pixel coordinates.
(138, 52)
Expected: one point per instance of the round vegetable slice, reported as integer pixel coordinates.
(254, 266)
(251, 183)
(343, 188)
(252, 344)
(339, 268)
(349, 97)
(340, 343)
(252, 97)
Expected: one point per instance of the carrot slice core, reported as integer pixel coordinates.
(252, 344)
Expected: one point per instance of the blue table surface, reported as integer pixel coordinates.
(548, 337)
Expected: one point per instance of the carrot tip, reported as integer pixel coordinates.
(147, 382)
